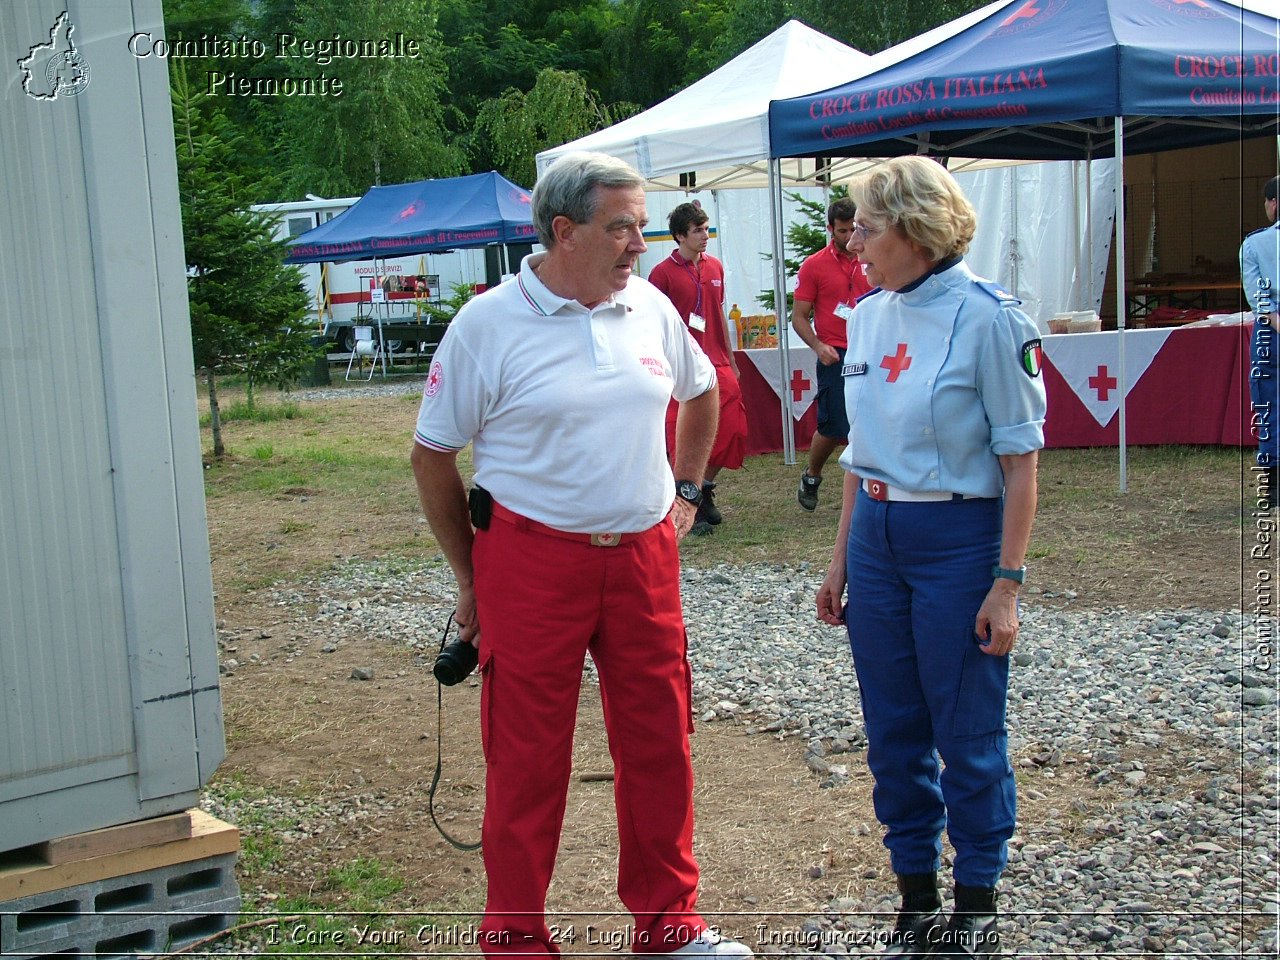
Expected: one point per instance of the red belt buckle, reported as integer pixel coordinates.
(605, 539)
(877, 490)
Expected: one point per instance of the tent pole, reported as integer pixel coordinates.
(780, 309)
(1121, 378)
(1088, 223)
(1075, 231)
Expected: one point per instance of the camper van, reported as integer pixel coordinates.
(391, 290)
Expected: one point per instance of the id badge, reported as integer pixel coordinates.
(844, 311)
(697, 323)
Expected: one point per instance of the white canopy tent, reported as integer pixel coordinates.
(719, 126)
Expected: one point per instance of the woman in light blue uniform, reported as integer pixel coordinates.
(946, 413)
(1260, 274)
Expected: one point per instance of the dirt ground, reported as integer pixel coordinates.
(298, 726)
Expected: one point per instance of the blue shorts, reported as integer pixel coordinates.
(833, 422)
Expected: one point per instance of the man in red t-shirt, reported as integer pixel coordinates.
(694, 282)
(829, 284)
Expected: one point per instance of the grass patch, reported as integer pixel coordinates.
(239, 412)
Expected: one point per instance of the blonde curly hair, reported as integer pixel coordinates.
(920, 196)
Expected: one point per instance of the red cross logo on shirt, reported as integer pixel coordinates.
(799, 384)
(1103, 383)
(896, 364)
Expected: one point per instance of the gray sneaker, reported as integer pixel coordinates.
(808, 493)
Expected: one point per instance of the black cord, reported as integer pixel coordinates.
(435, 779)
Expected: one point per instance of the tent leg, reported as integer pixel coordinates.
(1121, 304)
(780, 307)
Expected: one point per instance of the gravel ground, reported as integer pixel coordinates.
(377, 387)
(1145, 744)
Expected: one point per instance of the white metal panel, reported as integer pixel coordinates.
(132, 336)
(63, 662)
(109, 708)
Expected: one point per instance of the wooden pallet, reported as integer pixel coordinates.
(114, 852)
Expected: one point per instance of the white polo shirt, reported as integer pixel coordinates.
(565, 406)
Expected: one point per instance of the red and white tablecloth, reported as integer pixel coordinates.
(762, 378)
(1185, 385)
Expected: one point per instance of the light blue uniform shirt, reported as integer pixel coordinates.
(939, 382)
(1260, 269)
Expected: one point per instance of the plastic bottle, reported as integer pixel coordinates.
(735, 331)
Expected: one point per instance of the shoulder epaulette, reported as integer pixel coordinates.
(1271, 226)
(999, 292)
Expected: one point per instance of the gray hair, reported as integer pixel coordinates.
(568, 188)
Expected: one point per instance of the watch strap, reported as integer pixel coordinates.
(1017, 574)
(689, 491)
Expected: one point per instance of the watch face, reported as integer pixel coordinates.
(688, 490)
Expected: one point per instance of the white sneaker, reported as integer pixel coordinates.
(708, 943)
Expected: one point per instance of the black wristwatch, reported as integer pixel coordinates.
(688, 490)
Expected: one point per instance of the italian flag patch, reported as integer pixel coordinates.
(1032, 358)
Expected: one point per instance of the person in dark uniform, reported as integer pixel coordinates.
(1260, 276)
(946, 411)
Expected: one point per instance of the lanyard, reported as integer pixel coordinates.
(849, 273)
(696, 273)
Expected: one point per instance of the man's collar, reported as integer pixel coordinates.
(837, 251)
(545, 301)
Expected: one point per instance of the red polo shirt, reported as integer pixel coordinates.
(827, 279)
(697, 288)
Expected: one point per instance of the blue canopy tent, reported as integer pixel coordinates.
(428, 216)
(1056, 79)
(1044, 80)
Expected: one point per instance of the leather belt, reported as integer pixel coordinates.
(879, 490)
(524, 523)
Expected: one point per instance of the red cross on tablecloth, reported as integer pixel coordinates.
(1103, 383)
(896, 364)
(799, 384)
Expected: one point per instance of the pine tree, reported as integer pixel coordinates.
(805, 236)
(247, 308)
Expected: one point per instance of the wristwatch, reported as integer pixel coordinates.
(688, 490)
(1018, 574)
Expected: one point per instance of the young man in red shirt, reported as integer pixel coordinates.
(829, 284)
(694, 282)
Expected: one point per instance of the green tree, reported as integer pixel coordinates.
(865, 26)
(388, 124)
(666, 45)
(515, 126)
(247, 308)
(805, 236)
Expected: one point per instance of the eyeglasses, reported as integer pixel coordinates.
(862, 233)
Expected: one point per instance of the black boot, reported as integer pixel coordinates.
(919, 919)
(971, 931)
(709, 511)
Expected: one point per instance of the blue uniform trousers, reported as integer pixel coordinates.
(1264, 390)
(918, 573)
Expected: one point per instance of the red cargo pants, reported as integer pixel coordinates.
(543, 602)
